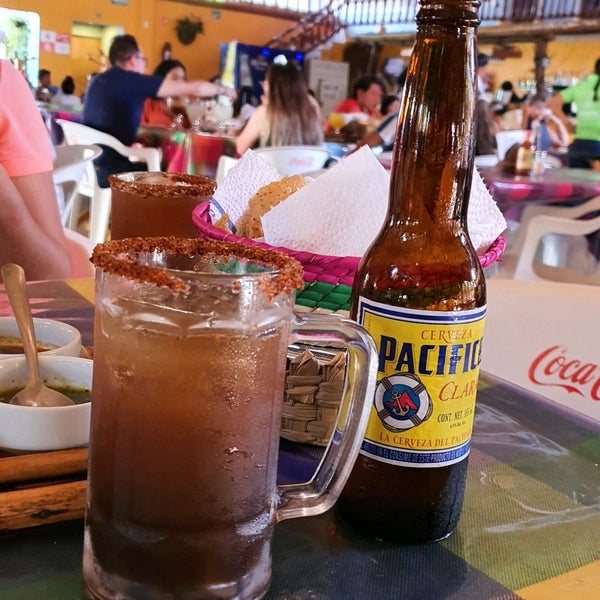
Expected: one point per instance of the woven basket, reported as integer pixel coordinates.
(328, 279)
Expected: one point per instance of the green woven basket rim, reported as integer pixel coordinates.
(329, 296)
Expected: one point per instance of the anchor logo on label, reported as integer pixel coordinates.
(402, 402)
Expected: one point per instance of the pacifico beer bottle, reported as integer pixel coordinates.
(420, 292)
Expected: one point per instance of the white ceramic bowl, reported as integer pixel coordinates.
(65, 337)
(38, 428)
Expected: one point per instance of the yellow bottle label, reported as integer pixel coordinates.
(423, 410)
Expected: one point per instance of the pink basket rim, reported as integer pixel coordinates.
(202, 222)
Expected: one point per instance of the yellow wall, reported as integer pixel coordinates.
(570, 57)
(152, 22)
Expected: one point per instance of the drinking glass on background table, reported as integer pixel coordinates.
(190, 350)
(178, 108)
(336, 121)
(155, 203)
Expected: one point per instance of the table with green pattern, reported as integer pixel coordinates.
(530, 527)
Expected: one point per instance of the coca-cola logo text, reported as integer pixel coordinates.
(552, 367)
(301, 161)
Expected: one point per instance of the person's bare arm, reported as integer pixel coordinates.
(31, 233)
(557, 129)
(371, 139)
(317, 108)
(193, 88)
(555, 104)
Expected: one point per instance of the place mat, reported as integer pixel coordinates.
(70, 301)
(529, 529)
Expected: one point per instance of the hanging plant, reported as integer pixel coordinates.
(187, 29)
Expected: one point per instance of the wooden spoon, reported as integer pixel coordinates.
(35, 392)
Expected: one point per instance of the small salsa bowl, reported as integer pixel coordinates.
(39, 428)
(58, 337)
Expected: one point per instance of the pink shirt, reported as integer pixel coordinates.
(25, 146)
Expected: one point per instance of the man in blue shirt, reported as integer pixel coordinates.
(45, 90)
(114, 101)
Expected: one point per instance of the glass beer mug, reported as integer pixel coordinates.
(190, 349)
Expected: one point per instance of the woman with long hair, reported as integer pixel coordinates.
(288, 115)
(156, 112)
(584, 150)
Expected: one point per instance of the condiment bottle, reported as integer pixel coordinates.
(525, 155)
(420, 291)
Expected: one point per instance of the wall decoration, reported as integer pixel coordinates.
(187, 29)
(52, 41)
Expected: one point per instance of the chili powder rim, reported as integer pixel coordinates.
(118, 257)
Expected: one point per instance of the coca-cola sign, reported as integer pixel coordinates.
(554, 367)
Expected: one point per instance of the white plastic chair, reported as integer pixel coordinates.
(224, 165)
(80, 249)
(294, 160)
(550, 244)
(76, 133)
(506, 139)
(70, 167)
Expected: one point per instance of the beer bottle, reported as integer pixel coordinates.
(525, 155)
(420, 292)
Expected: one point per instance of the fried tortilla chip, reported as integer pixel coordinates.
(268, 196)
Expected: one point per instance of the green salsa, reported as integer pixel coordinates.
(78, 395)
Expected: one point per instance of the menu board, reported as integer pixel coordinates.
(328, 81)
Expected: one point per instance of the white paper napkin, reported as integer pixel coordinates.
(341, 211)
(485, 222)
(245, 178)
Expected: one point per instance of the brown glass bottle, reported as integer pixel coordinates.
(525, 155)
(420, 291)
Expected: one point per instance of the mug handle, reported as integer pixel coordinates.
(321, 492)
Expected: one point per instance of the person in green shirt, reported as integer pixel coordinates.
(584, 150)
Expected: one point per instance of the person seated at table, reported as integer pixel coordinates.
(288, 114)
(383, 136)
(245, 104)
(114, 101)
(584, 150)
(66, 96)
(45, 90)
(385, 133)
(551, 131)
(156, 111)
(507, 100)
(390, 105)
(31, 233)
(367, 93)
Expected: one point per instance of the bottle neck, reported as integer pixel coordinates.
(433, 155)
